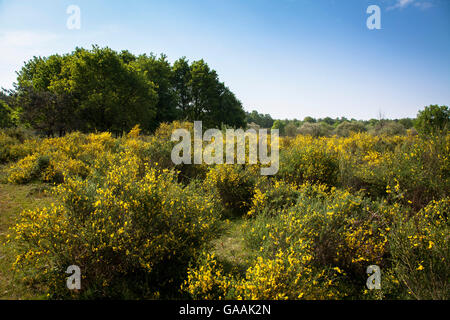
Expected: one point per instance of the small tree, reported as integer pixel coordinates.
(433, 119)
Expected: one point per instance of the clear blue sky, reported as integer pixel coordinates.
(289, 58)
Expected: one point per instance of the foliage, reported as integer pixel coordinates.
(141, 227)
(103, 90)
(234, 185)
(433, 119)
(263, 120)
(308, 159)
(420, 251)
(6, 120)
(131, 231)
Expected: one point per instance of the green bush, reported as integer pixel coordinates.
(309, 162)
(419, 246)
(433, 120)
(234, 184)
(132, 233)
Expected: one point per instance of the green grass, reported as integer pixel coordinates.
(230, 249)
(13, 200)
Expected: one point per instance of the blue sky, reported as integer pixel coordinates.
(289, 58)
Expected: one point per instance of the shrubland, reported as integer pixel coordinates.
(141, 227)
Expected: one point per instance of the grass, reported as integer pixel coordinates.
(13, 200)
(230, 248)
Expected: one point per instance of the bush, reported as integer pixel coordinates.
(340, 230)
(308, 160)
(72, 155)
(5, 115)
(420, 252)
(390, 128)
(345, 129)
(413, 173)
(287, 276)
(273, 198)
(291, 130)
(14, 147)
(132, 233)
(318, 248)
(234, 184)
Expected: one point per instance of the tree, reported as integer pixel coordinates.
(309, 120)
(43, 110)
(432, 120)
(5, 115)
(262, 120)
(202, 97)
(315, 129)
(159, 72)
(291, 130)
(110, 95)
(180, 80)
(229, 111)
(390, 128)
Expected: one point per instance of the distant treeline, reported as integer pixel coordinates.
(104, 90)
(432, 119)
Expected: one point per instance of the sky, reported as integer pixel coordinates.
(287, 58)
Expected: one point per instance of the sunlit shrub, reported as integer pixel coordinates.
(131, 232)
(12, 148)
(271, 198)
(420, 252)
(288, 275)
(309, 160)
(341, 230)
(234, 184)
(415, 172)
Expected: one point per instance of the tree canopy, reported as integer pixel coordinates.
(433, 119)
(104, 90)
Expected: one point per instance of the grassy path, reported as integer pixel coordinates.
(230, 248)
(13, 200)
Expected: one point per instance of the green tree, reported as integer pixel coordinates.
(5, 115)
(433, 119)
(159, 71)
(103, 90)
(180, 81)
(37, 99)
(291, 130)
(309, 120)
(346, 128)
(110, 95)
(263, 120)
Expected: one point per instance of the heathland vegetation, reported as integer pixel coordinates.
(87, 179)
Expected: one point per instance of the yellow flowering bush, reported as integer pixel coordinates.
(54, 158)
(13, 149)
(341, 230)
(420, 251)
(132, 232)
